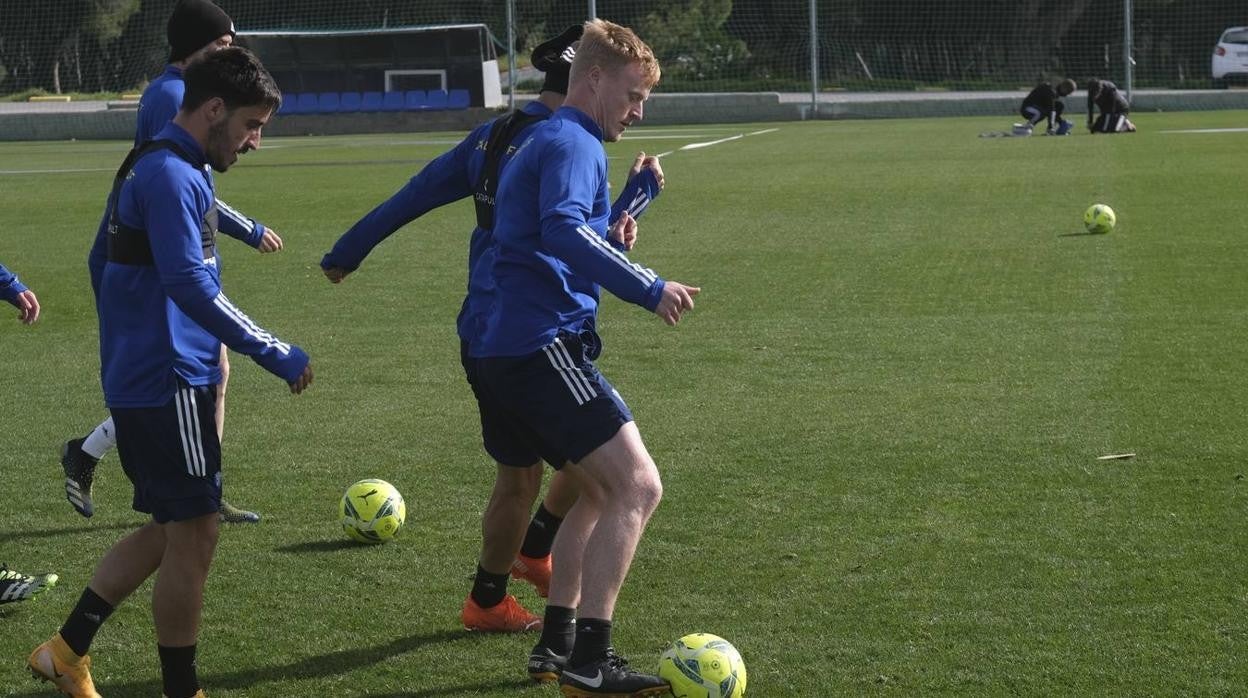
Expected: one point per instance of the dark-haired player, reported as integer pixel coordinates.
(196, 28)
(163, 318)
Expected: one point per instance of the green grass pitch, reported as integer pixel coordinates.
(878, 430)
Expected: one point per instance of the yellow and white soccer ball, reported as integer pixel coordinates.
(702, 665)
(1099, 218)
(372, 511)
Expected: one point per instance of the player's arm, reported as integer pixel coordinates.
(248, 230)
(1048, 103)
(442, 181)
(22, 298)
(567, 191)
(173, 230)
(645, 181)
(1091, 106)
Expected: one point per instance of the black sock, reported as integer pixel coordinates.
(593, 639)
(488, 589)
(558, 630)
(541, 533)
(85, 621)
(177, 668)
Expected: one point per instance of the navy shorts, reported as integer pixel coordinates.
(171, 455)
(553, 404)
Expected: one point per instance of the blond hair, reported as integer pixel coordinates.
(610, 47)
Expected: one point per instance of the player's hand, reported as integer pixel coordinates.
(269, 242)
(677, 298)
(624, 231)
(27, 307)
(301, 383)
(336, 274)
(647, 162)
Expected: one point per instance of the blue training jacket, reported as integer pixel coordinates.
(159, 104)
(164, 321)
(450, 177)
(551, 250)
(10, 287)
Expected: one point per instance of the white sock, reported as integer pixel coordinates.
(101, 440)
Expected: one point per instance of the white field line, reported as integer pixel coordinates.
(707, 144)
(1207, 130)
(65, 171)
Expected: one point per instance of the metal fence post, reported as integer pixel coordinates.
(593, 9)
(814, 57)
(1128, 63)
(511, 55)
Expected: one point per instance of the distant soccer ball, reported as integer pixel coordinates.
(1099, 218)
(372, 511)
(702, 665)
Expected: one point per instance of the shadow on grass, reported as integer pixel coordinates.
(1084, 234)
(321, 546)
(331, 664)
(27, 534)
(516, 685)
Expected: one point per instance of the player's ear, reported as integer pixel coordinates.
(215, 109)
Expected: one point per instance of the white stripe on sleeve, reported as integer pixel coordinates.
(234, 214)
(641, 273)
(248, 325)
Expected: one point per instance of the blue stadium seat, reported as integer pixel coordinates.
(328, 102)
(349, 102)
(371, 102)
(457, 99)
(392, 101)
(414, 100)
(436, 101)
(306, 103)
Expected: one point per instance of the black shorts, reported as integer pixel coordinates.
(552, 404)
(171, 454)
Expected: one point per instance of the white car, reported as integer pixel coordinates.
(1230, 56)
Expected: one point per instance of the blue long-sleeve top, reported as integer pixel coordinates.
(448, 178)
(10, 286)
(157, 107)
(159, 104)
(165, 321)
(551, 253)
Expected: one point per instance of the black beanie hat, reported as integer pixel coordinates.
(554, 57)
(193, 25)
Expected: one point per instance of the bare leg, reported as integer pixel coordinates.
(631, 491)
(507, 515)
(225, 380)
(178, 596)
(561, 494)
(569, 549)
(129, 563)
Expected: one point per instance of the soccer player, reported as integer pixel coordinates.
(196, 28)
(162, 320)
(15, 586)
(1114, 107)
(12, 290)
(535, 361)
(471, 169)
(1045, 103)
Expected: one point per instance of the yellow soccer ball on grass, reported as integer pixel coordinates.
(372, 511)
(702, 665)
(1099, 219)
